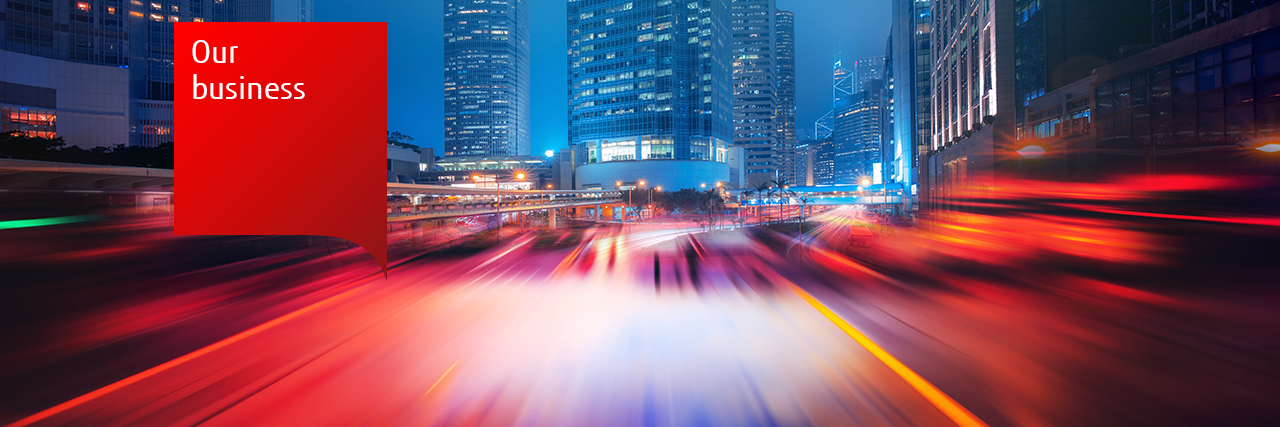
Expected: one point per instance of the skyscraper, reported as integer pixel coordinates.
(486, 78)
(764, 89)
(842, 85)
(785, 52)
(755, 88)
(650, 92)
(857, 134)
(999, 56)
(848, 79)
(911, 66)
(1172, 19)
(865, 70)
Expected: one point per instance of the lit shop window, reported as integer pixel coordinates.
(29, 122)
(156, 130)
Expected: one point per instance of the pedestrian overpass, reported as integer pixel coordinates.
(429, 202)
(830, 195)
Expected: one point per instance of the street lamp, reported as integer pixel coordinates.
(497, 180)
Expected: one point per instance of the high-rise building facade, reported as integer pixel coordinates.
(847, 79)
(755, 84)
(990, 59)
(842, 85)
(824, 161)
(101, 71)
(1171, 19)
(889, 152)
(486, 78)
(865, 70)
(785, 51)
(651, 96)
(910, 63)
(859, 123)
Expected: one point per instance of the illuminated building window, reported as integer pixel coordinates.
(29, 122)
(82, 6)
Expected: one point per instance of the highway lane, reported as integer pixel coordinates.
(667, 325)
(506, 337)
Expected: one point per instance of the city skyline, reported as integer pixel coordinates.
(415, 58)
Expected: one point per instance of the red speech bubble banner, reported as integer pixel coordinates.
(281, 130)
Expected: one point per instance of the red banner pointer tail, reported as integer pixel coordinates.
(280, 130)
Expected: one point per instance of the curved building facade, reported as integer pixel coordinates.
(671, 175)
(650, 84)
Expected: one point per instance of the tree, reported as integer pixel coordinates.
(710, 202)
(804, 202)
(16, 145)
(400, 140)
(783, 190)
(761, 190)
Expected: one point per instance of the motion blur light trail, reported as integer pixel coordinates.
(505, 345)
(1030, 308)
(41, 222)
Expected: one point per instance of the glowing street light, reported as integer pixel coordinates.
(550, 153)
(1032, 151)
(1269, 148)
(866, 181)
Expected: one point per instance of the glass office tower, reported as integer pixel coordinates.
(857, 134)
(650, 92)
(755, 82)
(785, 53)
(486, 78)
(911, 66)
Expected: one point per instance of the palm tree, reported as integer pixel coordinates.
(782, 189)
(804, 201)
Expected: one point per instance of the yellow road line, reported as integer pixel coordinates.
(64, 406)
(940, 400)
(438, 380)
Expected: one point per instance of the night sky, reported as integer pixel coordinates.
(855, 28)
